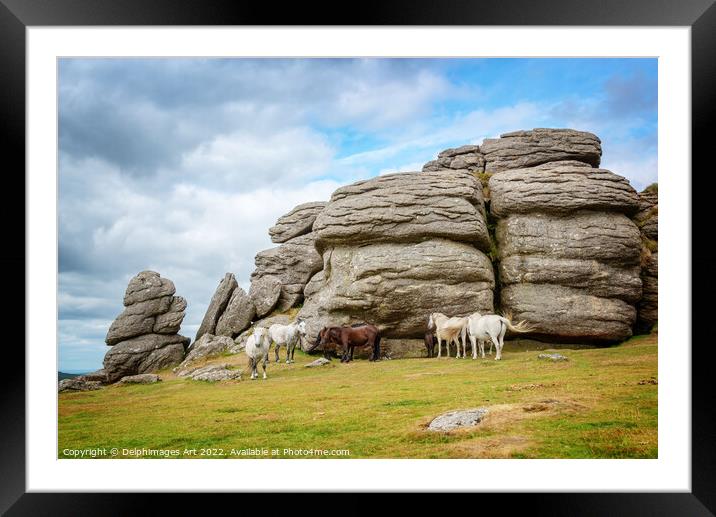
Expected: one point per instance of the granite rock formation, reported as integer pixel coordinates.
(569, 256)
(144, 337)
(398, 247)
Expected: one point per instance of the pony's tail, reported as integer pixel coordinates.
(377, 347)
(520, 327)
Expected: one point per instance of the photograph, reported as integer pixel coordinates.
(368, 257)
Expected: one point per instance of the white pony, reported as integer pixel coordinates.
(494, 328)
(449, 329)
(288, 336)
(257, 348)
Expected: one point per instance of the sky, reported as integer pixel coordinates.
(181, 165)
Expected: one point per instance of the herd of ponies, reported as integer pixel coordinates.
(477, 327)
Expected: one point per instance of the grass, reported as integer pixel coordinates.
(602, 403)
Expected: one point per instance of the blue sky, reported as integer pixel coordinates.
(182, 165)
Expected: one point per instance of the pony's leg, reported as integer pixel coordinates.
(254, 373)
(463, 335)
(344, 342)
(501, 338)
(440, 343)
(482, 348)
(277, 345)
(498, 348)
(474, 347)
(266, 360)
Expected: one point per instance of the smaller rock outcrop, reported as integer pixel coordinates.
(77, 384)
(297, 222)
(144, 337)
(239, 313)
(207, 346)
(647, 219)
(284, 270)
(217, 306)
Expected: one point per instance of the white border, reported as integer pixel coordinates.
(671, 471)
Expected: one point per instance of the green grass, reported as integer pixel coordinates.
(591, 406)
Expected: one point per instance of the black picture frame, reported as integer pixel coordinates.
(17, 15)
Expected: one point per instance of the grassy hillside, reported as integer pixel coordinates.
(602, 403)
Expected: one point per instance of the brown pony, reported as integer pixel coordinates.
(349, 338)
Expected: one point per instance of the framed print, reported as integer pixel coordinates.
(372, 255)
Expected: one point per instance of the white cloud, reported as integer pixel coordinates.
(249, 159)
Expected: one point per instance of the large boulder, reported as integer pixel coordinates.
(396, 248)
(397, 285)
(291, 265)
(237, 317)
(144, 354)
(561, 188)
(264, 293)
(218, 304)
(520, 149)
(298, 221)
(405, 207)
(569, 256)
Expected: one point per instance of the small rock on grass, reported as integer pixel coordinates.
(212, 373)
(143, 378)
(456, 419)
(553, 357)
(321, 361)
(78, 385)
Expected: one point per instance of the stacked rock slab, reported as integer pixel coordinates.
(398, 247)
(144, 337)
(230, 310)
(647, 221)
(282, 273)
(467, 157)
(569, 256)
(521, 149)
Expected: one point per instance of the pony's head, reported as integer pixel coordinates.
(328, 335)
(260, 336)
(301, 327)
(431, 322)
